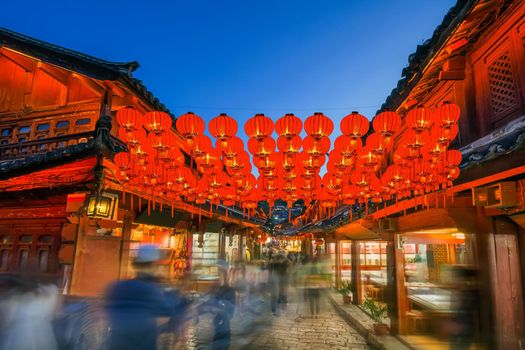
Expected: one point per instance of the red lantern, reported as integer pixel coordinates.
(288, 126)
(199, 146)
(413, 139)
(190, 125)
(354, 125)
(348, 145)
(259, 127)
(387, 123)
(231, 147)
(261, 148)
(377, 143)
(419, 119)
(444, 135)
(157, 122)
(452, 158)
(447, 115)
(223, 127)
(316, 147)
(129, 118)
(289, 145)
(318, 125)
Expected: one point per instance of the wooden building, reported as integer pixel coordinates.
(57, 140)
(476, 59)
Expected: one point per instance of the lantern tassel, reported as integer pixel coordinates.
(131, 201)
(149, 207)
(140, 204)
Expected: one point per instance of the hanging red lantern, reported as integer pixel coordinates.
(288, 126)
(318, 126)
(387, 123)
(190, 125)
(129, 118)
(377, 143)
(348, 145)
(354, 125)
(199, 146)
(222, 127)
(419, 119)
(444, 135)
(157, 122)
(312, 163)
(132, 138)
(447, 115)
(413, 139)
(316, 147)
(230, 148)
(261, 148)
(452, 158)
(259, 127)
(289, 145)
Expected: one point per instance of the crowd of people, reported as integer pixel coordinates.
(33, 316)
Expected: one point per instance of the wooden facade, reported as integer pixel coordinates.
(475, 59)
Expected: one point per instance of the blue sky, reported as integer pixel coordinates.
(245, 57)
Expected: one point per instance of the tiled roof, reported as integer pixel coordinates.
(78, 62)
(504, 140)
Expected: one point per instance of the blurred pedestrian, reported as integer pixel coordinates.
(465, 303)
(27, 310)
(223, 308)
(314, 283)
(134, 305)
(278, 281)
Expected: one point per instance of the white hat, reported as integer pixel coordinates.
(148, 253)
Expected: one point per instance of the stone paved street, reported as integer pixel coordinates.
(328, 331)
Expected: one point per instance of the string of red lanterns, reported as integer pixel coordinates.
(398, 159)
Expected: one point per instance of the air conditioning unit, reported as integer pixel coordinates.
(499, 195)
(388, 224)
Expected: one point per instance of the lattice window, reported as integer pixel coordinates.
(502, 87)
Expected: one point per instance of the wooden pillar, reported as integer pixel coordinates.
(338, 258)
(124, 272)
(509, 298)
(356, 273)
(401, 297)
(80, 247)
(391, 287)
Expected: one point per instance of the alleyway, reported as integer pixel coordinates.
(266, 331)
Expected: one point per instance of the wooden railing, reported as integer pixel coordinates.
(25, 149)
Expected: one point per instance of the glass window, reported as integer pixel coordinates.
(22, 139)
(4, 259)
(83, 121)
(24, 130)
(62, 124)
(42, 127)
(6, 239)
(45, 239)
(7, 131)
(23, 259)
(26, 239)
(43, 260)
(5, 142)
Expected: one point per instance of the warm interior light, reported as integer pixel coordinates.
(102, 206)
(458, 235)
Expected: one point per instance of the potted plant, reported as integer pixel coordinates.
(377, 311)
(346, 292)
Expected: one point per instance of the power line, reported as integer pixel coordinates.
(276, 108)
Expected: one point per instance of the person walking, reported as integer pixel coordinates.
(314, 283)
(133, 306)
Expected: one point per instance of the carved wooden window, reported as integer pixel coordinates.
(503, 94)
(63, 124)
(7, 132)
(42, 127)
(83, 121)
(24, 130)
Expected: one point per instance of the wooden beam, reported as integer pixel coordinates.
(33, 213)
(486, 180)
(22, 61)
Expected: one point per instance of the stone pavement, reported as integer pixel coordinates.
(265, 331)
